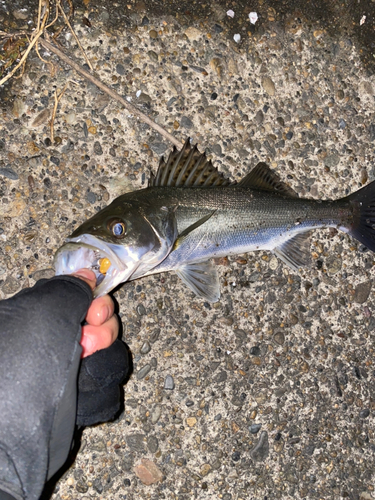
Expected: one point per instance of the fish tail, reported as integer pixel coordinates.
(363, 211)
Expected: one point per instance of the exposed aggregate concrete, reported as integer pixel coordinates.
(268, 393)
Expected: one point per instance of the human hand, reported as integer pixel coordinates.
(102, 326)
(46, 389)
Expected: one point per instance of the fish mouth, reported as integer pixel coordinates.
(87, 251)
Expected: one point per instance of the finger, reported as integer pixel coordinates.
(95, 338)
(86, 275)
(100, 310)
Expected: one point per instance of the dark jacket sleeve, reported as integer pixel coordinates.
(40, 330)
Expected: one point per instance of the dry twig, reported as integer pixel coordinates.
(36, 38)
(132, 109)
(57, 100)
(36, 35)
(73, 33)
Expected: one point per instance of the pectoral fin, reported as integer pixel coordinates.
(296, 251)
(191, 228)
(202, 279)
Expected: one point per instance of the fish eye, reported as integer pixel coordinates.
(117, 228)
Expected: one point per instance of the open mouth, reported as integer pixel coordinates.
(89, 252)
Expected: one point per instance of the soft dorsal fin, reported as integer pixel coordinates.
(188, 168)
(263, 178)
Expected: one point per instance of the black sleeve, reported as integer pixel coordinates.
(40, 330)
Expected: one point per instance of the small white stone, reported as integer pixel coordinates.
(230, 13)
(138, 93)
(253, 16)
(362, 21)
(274, 263)
(193, 34)
(236, 37)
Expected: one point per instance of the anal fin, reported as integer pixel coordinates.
(202, 279)
(295, 252)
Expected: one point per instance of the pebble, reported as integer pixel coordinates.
(255, 351)
(136, 442)
(152, 444)
(98, 148)
(259, 117)
(143, 372)
(364, 413)
(268, 85)
(158, 147)
(205, 469)
(120, 69)
(156, 414)
(82, 487)
(217, 66)
(19, 107)
(148, 472)
(279, 338)
(10, 285)
(42, 118)
(169, 383)
(274, 263)
(146, 348)
(332, 160)
(255, 428)
(154, 335)
(261, 450)
(9, 173)
(333, 264)
(362, 292)
(191, 421)
(153, 55)
(193, 34)
(186, 122)
(141, 311)
(91, 197)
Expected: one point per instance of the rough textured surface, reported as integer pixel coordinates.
(270, 391)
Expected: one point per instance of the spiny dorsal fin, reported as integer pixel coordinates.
(187, 168)
(296, 251)
(263, 178)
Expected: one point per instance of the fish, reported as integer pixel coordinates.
(191, 213)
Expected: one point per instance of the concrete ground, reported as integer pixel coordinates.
(268, 393)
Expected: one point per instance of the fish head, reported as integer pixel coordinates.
(121, 242)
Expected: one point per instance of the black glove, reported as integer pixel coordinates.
(99, 381)
(40, 330)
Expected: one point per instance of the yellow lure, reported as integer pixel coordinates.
(104, 264)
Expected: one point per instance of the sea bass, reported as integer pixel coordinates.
(190, 213)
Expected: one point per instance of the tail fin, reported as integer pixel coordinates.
(363, 203)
